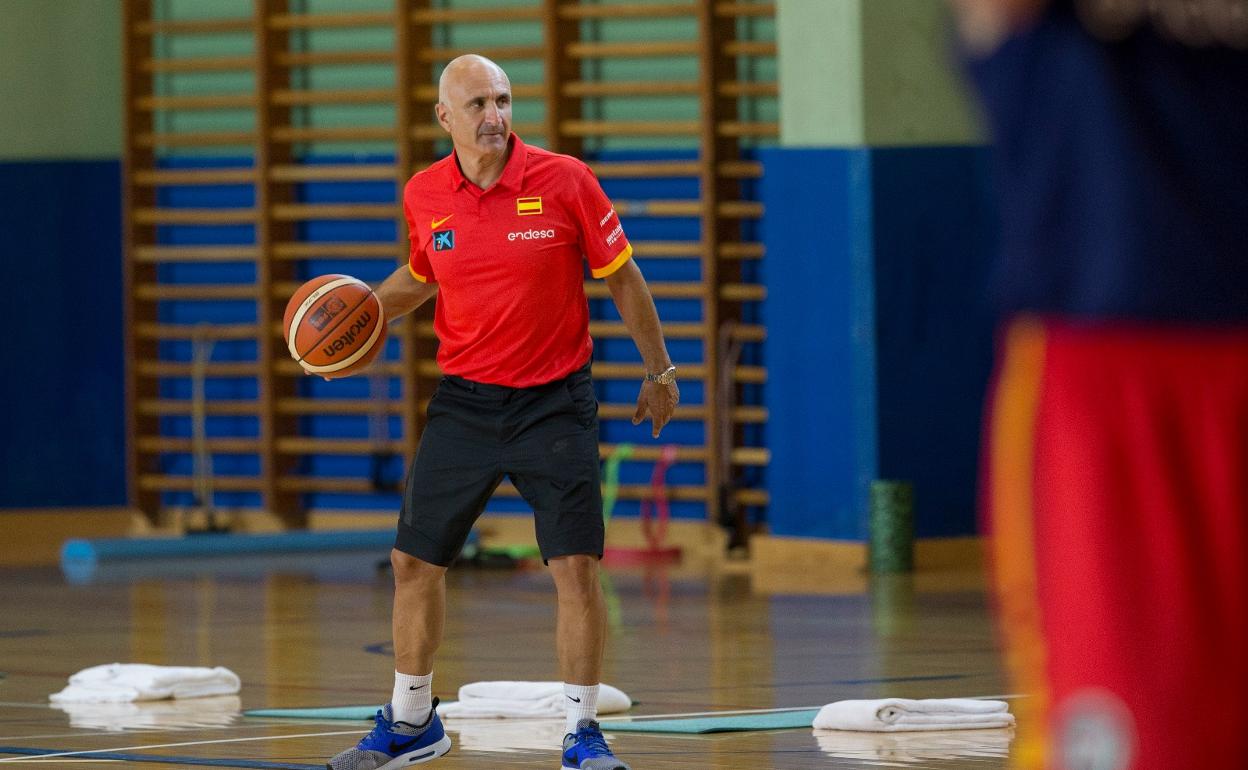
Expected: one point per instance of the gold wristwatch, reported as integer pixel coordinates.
(666, 377)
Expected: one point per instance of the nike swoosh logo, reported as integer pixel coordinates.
(438, 222)
(396, 747)
(418, 687)
(574, 700)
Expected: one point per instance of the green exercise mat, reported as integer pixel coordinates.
(730, 723)
(331, 712)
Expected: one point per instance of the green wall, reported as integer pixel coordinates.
(870, 72)
(61, 88)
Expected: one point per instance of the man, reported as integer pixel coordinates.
(1118, 435)
(499, 232)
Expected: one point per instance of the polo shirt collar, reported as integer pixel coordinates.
(513, 173)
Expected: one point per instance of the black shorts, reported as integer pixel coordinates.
(544, 439)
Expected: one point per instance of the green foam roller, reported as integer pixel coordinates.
(892, 527)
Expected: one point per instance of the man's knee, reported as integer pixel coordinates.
(410, 570)
(575, 575)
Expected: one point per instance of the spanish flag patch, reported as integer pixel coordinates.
(528, 206)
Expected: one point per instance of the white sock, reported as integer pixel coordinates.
(582, 703)
(412, 700)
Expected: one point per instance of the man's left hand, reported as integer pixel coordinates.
(659, 401)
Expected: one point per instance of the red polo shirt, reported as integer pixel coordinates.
(508, 262)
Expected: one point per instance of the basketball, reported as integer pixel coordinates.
(334, 326)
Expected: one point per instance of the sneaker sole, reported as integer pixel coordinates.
(419, 756)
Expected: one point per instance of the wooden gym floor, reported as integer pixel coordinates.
(313, 630)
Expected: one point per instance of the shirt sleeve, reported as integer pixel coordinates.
(602, 236)
(417, 260)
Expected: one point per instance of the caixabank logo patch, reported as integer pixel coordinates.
(443, 240)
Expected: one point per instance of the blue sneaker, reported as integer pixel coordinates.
(392, 745)
(586, 749)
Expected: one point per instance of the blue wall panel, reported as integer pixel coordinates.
(63, 403)
(932, 233)
(820, 360)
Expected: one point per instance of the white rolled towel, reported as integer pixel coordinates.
(125, 682)
(524, 700)
(900, 714)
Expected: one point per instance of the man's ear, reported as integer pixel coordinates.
(440, 110)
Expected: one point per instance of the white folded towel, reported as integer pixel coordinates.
(523, 700)
(124, 682)
(898, 714)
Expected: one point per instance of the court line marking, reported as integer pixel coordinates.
(188, 743)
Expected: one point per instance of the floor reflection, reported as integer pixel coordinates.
(506, 735)
(218, 711)
(910, 748)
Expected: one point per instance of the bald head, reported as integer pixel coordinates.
(474, 107)
(468, 67)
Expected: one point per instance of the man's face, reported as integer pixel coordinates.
(476, 110)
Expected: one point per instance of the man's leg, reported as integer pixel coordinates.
(581, 627)
(417, 620)
(419, 612)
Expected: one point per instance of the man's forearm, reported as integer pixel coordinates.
(400, 293)
(636, 305)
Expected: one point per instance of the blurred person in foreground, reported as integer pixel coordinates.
(1116, 470)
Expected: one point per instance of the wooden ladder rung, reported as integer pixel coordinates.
(660, 289)
(195, 102)
(194, 138)
(198, 64)
(659, 208)
(594, 88)
(301, 212)
(303, 406)
(184, 368)
(758, 497)
(218, 445)
(741, 169)
(324, 484)
(336, 172)
(740, 88)
(319, 58)
(302, 250)
(631, 127)
(428, 92)
(647, 453)
(628, 10)
(750, 48)
(195, 253)
(152, 216)
(750, 455)
(158, 482)
(476, 15)
(741, 210)
(743, 292)
(330, 20)
(741, 251)
(192, 26)
(175, 406)
(158, 331)
(646, 169)
(666, 249)
(332, 133)
(193, 176)
(637, 50)
(744, 8)
(748, 128)
(299, 445)
(288, 368)
(293, 97)
(692, 412)
(495, 52)
(194, 291)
